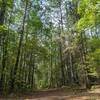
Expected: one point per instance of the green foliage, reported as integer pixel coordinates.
(53, 42)
(89, 12)
(3, 28)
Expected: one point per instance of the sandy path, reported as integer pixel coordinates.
(61, 94)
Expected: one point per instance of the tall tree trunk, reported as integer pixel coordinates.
(82, 60)
(60, 46)
(3, 39)
(51, 65)
(71, 68)
(19, 48)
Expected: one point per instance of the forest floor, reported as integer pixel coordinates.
(61, 94)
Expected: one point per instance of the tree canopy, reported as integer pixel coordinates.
(48, 44)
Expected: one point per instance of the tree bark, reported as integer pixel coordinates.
(19, 48)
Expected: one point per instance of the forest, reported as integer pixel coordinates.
(47, 44)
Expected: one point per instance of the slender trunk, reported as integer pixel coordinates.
(51, 59)
(82, 60)
(60, 46)
(33, 72)
(4, 41)
(71, 68)
(19, 48)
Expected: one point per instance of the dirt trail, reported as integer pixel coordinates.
(61, 94)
